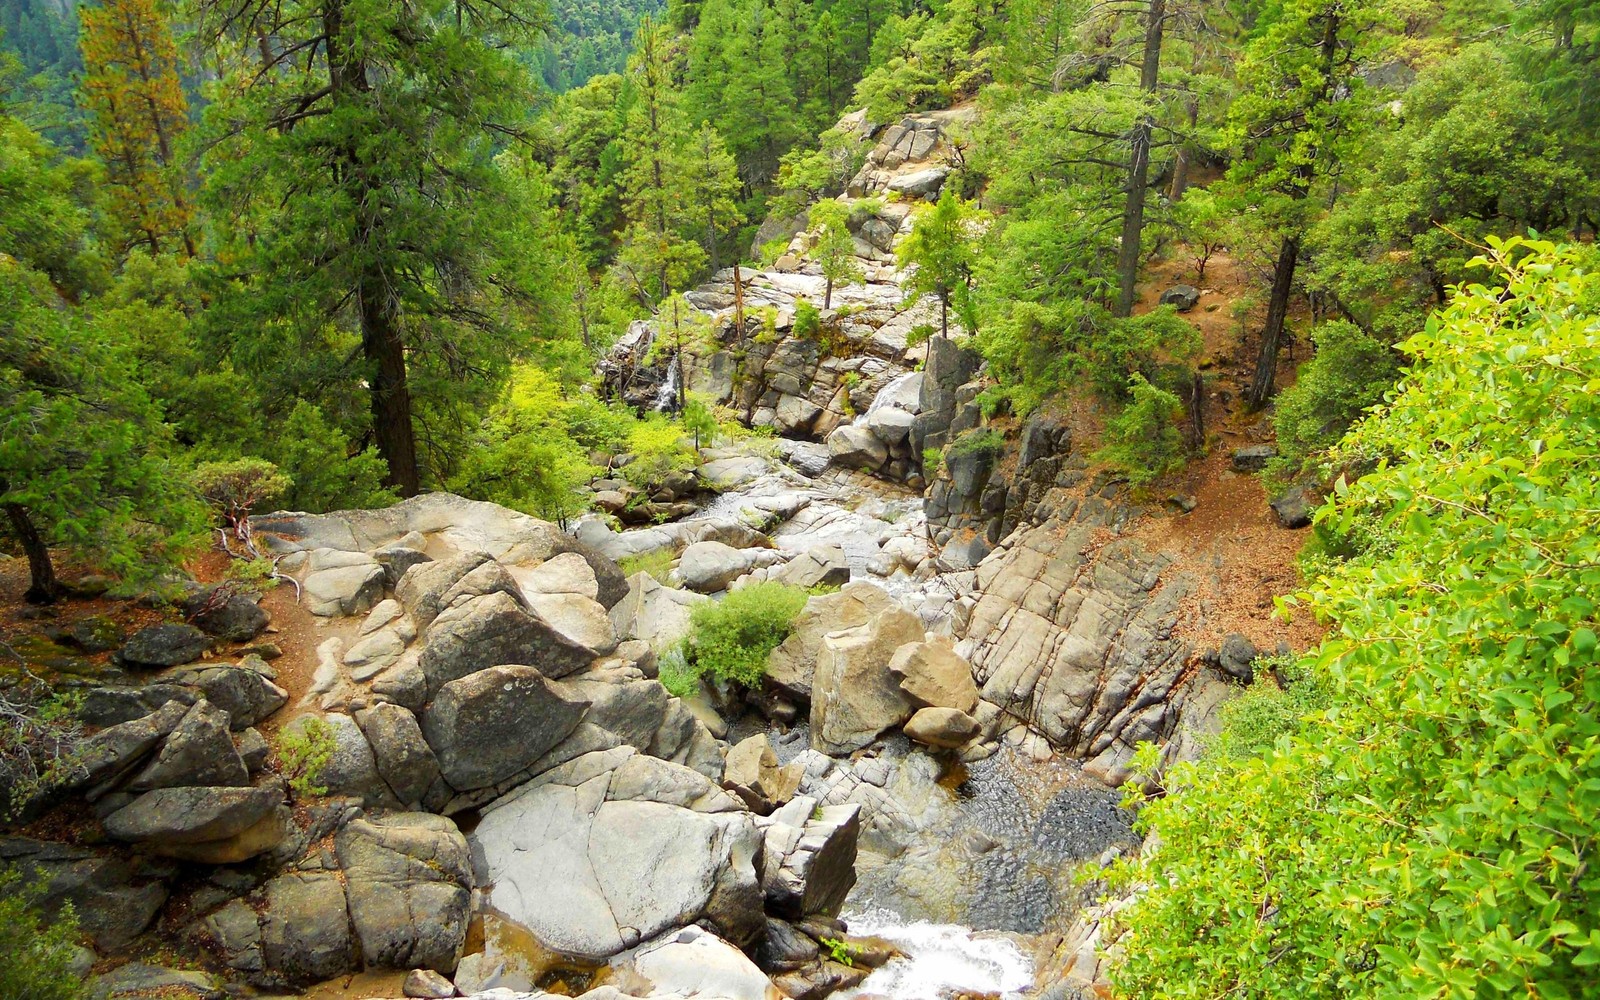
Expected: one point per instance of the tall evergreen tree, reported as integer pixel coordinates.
(138, 112)
(352, 169)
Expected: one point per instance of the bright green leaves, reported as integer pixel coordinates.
(1432, 835)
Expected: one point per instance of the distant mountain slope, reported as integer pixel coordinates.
(591, 37)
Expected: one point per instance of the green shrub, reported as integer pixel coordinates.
(659, 449)
(42, 745)
(327, 473)
(807, 319)
(1143, 441)
(1253, 722)
(35, 954)
(1348, 374)
(932, 462)
(729, 640)
(978, 441)
(303, 751)
(675, 673)
(657, 563)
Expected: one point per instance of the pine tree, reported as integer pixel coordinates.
(942, 247)
(712, 180)
(834, 251)
(138, 114)
(362, 212)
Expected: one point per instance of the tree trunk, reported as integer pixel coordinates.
(1272, 335)
(738, 298)
(1197, 413)
(381, 342)
(43, 587)
(827, 295)
(944, 316)
(1139, 163)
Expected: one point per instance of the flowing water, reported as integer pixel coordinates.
(940, 960)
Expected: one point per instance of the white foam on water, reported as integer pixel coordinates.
(941, 959)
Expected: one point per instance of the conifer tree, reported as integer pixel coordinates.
(138, 114)
(712, 180)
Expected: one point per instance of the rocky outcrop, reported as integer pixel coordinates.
(490, 725)
(1080, 637)
(854, 697)
(215, 825)
(615, 847)
(113, 898)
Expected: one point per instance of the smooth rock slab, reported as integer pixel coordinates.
(344, 590)
(192, 815)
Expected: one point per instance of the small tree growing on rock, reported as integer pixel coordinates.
(834, 251)
(943, 247)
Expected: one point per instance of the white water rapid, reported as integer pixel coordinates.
(941, 959)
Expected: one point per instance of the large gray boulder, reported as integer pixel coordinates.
(225, 613)
(213, 825)
(199, 751)
(615, 847)
(163, 646)
(424, 587)
(113, 753)
(708, 567)
(823, 566)
(856, 447)
(654, 612)
(490, 725)
(691, 962)
(491, 630)
(246, 695)
(809, 861)
(350, 589)
(409, 881)
(292, 932)
(401, 754)
(854, 697)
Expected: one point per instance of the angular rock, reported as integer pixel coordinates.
(164, 646)
(352, 769)
(246, 695)
(192, 815)
(493, 630)
(752, 773)
(1292, 508)
(488, 726)
(112, 753)
(1253, 458)
(580, 620)
(225, 613)
(654, 612)
(567, 573)
(931, 674)
(199, 751)
(691, 963)
(854, 697)
(1184, 297)
(823, 566)
(403, 757)
(856, 447)
(791, 666)
(291, 933)
(409, 882)
(113, 902)
(708, 567)
(425, 984)
(344, 590)
(943, 728)
(809, 864)
(423, 587)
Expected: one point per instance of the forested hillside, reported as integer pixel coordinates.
(1151, 262)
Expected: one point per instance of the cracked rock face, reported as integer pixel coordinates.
(615, 847)
(1077, 639)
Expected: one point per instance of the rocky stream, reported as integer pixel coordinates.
(913, 804)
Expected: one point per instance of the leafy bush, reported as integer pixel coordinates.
(1431, 835)
(978, 441)
(729, 640)
(659, 449)
(1143, 441)
(326, 474)
(932, 462)
(807, 319)
(1253, 722)
(1348, 374)
(657, 563)
(41, 742)
(303, 751)
(36, 955)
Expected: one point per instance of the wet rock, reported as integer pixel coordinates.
(488, 726)
(1253, 458)
(164, 646)
(1184, 297)
(198, 751)
(225, 613)
(409, 882)
(785, 949)
(944, 728)
(854, 697)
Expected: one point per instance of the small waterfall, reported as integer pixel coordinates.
(941, 960)
(667, 395)
(886, 393)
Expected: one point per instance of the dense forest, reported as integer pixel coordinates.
(317, 255)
